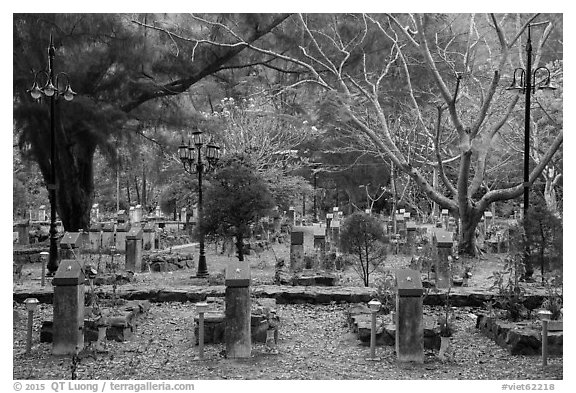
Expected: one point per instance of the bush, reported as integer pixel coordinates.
(362, 236)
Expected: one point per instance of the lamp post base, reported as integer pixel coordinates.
(202, 268)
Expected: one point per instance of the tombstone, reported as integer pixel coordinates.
(42, 213)
(291, 216)
(335, 234)
(134, 245)
(409, 317)
(132, 215)
(23, 230)
(320, 243)
(401, 225)
(411, 237)
(70, 245)
(276, 222)
(183, 215)
(121, 231)
(149, 236)
(451, 224)
(406, 216)
(121, 216)
(68, 301)
(488, 220)
(237, 331)
(108, 236)
(444, 242)
(329, 217)
(95, 213)
(296, 251)
(157, 211)
(95, 236)
(138, 213)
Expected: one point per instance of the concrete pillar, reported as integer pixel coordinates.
(121, 231)
(296, 251)
(237, 330)
(108, 236)
(70, 245)
(68, 301)
(134, 243)
(444, 242)
(411, 238)
(409, 319)
(95, 236)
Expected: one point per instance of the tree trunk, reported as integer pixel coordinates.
(240, 246)
(469, 222)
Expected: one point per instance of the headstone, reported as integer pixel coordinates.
(95, 213)
(70, 245)
(108, 239)
(149, 236)
(23, 230)
(42, 213)
(121, 231)
(335, 234)
(291, 216)
(68, 300)
(237, 332)
(138, 213)
(157, 211)
(121, 216)
(444, 242)
(183, 215)
(296, 251)
(134, 249)
(409, 317)
(411, 237)
(95, 236)
(132, 215)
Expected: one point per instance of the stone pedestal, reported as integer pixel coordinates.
(335, 234)
(134, 250)
(70, 245)
(411, 238)
(68, 301)
(409, 319)
(443, 242)
(237, 332)
(108, 238)
(149, 237)
(121, 232)
(95, 237)
(296, 251)
(23, 230)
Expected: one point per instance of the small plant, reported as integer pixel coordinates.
(507, 282)
(554, 298)
(386, 291)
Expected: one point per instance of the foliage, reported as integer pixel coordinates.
(236, 198)
(362, 235)
(386, 291)
(507, 282)
(554, 299)
(543, 235)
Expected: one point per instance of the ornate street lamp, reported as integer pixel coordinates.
(198, 158)
(524, 82)
(53, 86)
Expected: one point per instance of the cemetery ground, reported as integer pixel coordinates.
(315, 340)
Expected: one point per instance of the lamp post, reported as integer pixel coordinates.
(526, 84)
(198, 158)
(201, 308)
(374, 306)
(544, 316)
(51, 88)
(31, 304)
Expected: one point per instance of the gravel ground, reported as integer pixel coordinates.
(315, 344)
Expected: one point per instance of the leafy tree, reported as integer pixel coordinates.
(543, 234)
(236, 198)
(362, 235)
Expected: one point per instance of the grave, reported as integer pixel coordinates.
(95, 236)
(22, 229)
(291, 216)
(122, 229)
(70, 245)
(444, 242)
(296, 251)
(108, 239)
(149, 236)
(444, 219)
(335, 234)
(134, 245)
(68, 301)
(411, 238)
(409, 319)
(237, 332)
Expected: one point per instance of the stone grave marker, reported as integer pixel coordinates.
(335, 234)
(134, 243)
(411, 237)
(149, 236)
(291, 216)
(42, 213)
(409, 317)
(121, 216)
(23, 230)
(70, 245)
(444, 242)
(296, 251)
(95, 236)
(108, 239)
(68, 301)
(237, 332)
(138, 213)
(122, 229)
